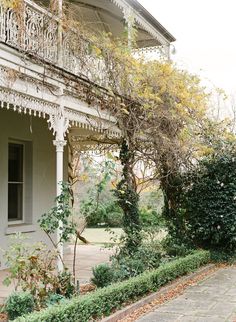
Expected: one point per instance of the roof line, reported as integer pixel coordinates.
(148, 16)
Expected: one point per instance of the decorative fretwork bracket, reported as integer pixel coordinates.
(60, 126)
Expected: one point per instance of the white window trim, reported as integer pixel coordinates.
(19, 221)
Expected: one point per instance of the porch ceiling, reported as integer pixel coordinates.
(88, 139)
(105, 15)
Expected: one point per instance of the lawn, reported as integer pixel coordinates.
(101, 235)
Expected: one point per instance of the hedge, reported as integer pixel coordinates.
(104, 301)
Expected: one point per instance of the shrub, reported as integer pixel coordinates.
(64, 285)
(103, 301)
(150, 254)
(106, 212)
(32, 267)
(124, 266)
(150, 217)
(127, 267)
(19, 303)
(209, 201)
(223, 256)
(114, 215)
(54, 298)
(176, 247)
(102, 275)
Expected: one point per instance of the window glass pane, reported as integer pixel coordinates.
(15, 181)
(15, 196)
(15, 162)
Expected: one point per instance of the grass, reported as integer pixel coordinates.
(101, 235)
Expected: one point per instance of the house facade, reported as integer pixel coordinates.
(40, 105)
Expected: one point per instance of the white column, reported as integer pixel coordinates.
(59, 124)
(130, 31)
(129, 20)
(167, 51)
(59, 178)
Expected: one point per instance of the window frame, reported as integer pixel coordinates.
(22, 220)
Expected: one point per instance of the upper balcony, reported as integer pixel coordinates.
(39, 32)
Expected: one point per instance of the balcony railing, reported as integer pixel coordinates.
(34, 30)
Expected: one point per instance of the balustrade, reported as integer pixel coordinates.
(32, 29)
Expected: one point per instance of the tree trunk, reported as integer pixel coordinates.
(128, 199)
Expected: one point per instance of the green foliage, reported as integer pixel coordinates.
(104, 301)
(150, 254)
(176, 247)
(123, 266)
(127, 199)
(54, 298)
(209, 202)
(107, 214)
(127, 267)
(32, 268)
(219, 256)
(152, 199)
(150, 217)
(60, 213)
(64, 284)
(99, 207)
(102, 275)
(18, 304)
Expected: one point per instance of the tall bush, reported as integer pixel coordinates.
(209, 202)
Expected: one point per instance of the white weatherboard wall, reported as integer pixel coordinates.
(43, 189)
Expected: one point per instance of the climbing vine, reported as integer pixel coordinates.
(160, 109)
(128, 199)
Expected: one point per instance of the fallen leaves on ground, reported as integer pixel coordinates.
(86, 288)
(174, 292)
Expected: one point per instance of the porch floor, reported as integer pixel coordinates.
(88, 256)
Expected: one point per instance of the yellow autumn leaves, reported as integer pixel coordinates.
(14, 4)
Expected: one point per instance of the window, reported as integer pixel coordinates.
(15, 181)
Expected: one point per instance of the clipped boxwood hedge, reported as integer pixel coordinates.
(103, 301)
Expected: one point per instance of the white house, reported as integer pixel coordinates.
(39, 107)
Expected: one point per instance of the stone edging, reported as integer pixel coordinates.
(148, 299)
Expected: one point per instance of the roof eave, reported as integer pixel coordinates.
(149, 17)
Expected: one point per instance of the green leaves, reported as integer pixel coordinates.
(127, 199)
(104, 301)
(209, 201)
(60, 213)
(97, 207)
(19, 303)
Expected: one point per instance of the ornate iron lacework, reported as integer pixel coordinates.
(36, 31)
(33, 30)
(25, 103)
(90, 122)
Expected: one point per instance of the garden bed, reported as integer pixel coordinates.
(104, 301)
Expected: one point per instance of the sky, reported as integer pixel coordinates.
(206, 37)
